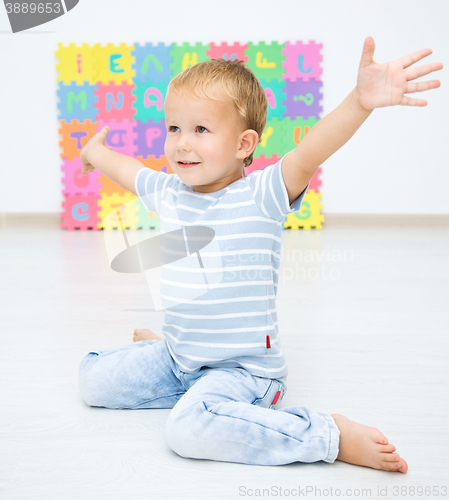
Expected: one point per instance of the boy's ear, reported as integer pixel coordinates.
(248, 141)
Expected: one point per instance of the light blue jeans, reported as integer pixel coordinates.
(223, 414)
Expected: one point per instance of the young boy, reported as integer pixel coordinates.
(220, 365)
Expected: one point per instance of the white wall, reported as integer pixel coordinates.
(396, 163)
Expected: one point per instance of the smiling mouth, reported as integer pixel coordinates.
(186, 164)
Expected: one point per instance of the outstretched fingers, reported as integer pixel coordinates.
(422, 86)
(418, 87)
(423, 70)
(409, 101)
(417, 72)
(414, 57)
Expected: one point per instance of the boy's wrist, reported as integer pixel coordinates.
(358, 102)
(93, 153)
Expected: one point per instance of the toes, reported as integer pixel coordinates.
(387, 448)
(390, 457)
(382, 439)
(403, 466)
(391, 466)
(393, 462)
(378, 437)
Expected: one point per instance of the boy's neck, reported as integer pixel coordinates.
(217, 186)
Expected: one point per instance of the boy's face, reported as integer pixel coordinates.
(207, 133)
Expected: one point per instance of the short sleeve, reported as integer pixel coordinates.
(150, 186)
(270, 193)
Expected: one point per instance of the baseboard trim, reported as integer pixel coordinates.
(30, 220)
(386, 220)
(53, 220)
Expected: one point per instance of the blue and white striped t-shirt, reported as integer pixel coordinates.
(220, 310)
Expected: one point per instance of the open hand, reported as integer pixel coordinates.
(380, 85)
(99, 138)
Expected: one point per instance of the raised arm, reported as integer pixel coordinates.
(378, 85)
(119, 168)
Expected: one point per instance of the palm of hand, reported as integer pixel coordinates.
(380, 85)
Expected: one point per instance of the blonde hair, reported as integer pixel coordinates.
(229, 80)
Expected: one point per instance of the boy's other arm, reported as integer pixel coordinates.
(378, 85)
(119, 168)
(322, 140)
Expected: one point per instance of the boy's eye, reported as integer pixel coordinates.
(200, 129)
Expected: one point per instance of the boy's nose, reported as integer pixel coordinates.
(183, 143)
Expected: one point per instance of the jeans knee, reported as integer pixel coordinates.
(173, 430)
(183, 431)
(87, 381)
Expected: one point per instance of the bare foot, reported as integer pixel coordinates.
(367, 446)
(144, 334)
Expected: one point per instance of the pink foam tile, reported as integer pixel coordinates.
(80, 212)
(121, 135)
(77, 184)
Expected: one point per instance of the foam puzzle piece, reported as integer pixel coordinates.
(295, 130)
(303, 99)
(77, 184)
(266, 60)
(76, 102)
(152, 63)
(115, 101)
(315, 182)
(146, 220)
(150, 138)
(227, 51)
(309, 216)
(80, 212)
(76, 64)
(149, 101)
(75, 136)
(272, 141)
(159, 164)
(110, 187)
(121, 135)
(261, 162)
(274, 90)
(302, 61)
(186, 55)
(114, 63)
(127, 208)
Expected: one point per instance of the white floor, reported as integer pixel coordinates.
(364, 326)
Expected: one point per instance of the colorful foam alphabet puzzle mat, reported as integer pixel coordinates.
(124, 86)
